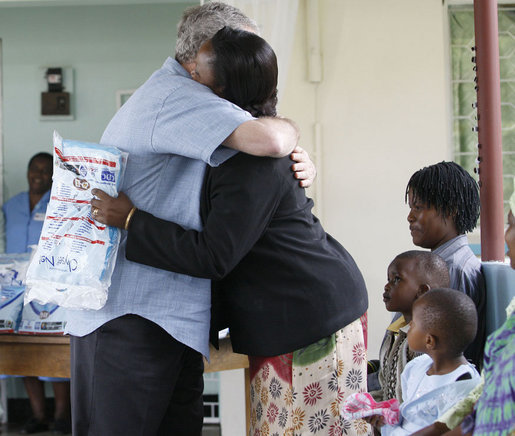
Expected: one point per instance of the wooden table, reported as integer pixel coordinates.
(223, 360)
(49, 356)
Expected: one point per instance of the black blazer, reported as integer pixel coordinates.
(279, 281)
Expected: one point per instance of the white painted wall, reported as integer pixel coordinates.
(232, 402)
(108, 47)
(383, 108)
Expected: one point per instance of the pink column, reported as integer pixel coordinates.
(489, 124)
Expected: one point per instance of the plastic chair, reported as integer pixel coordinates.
(500, 289)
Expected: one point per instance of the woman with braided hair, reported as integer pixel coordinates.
(290, 294)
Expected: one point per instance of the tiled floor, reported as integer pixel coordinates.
(13, 429)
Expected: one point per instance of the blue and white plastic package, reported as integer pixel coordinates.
(42, 319)
(75, 257)
(13, 268)
(11, 305)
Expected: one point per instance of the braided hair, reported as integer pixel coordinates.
(451, 190)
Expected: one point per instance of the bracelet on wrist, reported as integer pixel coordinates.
(129, 217)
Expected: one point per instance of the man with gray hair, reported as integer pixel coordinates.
(137, 363)
(198, 24)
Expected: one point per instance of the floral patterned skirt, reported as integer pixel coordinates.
(300, 393)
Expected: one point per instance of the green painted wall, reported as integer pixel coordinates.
(108, 47)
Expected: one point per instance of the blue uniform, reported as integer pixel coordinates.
(23, 227)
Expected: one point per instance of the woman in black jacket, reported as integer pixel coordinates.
(290, 294)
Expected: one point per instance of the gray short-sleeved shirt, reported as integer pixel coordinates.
(464, 268)
(171, 127)
(466, 276)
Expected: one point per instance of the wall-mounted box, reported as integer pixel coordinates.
(55, 103)
(57, 106)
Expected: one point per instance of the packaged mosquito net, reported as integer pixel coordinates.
(11, 305)
(42, 319)
(13, 268)
(75, 257)
(12, 275)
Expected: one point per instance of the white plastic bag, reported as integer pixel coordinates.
(13, 268)
(75, 257)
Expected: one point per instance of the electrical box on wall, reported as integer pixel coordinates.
(56, 93)
(55, 103)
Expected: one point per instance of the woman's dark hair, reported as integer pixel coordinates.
(245, 69)
(41, 155)
(450, 190)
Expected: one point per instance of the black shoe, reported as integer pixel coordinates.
(62, 426)
(34, 425)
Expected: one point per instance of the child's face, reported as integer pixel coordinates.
(403, 284)
(416, 333)
(428, 228)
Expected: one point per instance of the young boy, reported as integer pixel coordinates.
(444, 323)
(444, 205)
(410, 275)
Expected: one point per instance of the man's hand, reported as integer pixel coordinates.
(110, 210)
(303, 169)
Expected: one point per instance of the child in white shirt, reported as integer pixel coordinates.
(444, 323)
